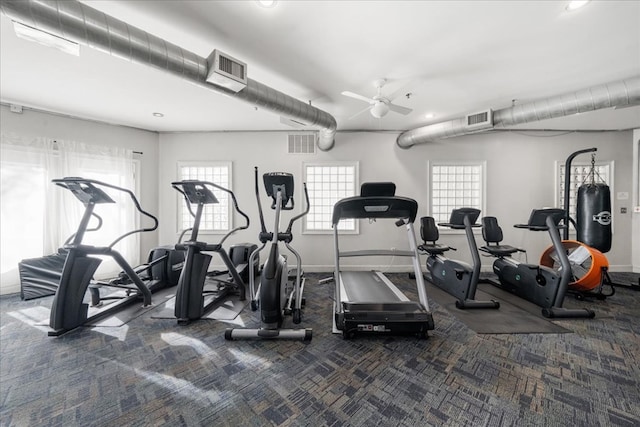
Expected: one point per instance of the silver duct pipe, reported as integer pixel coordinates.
(84, 25)
(620, 93)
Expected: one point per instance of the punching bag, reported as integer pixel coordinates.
(593, 216)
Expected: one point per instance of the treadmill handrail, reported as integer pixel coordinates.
(359, 207)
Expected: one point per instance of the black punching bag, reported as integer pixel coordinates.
(593, 221)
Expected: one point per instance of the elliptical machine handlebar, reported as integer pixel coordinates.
(279, 186)
(86, 191)
(305, 212)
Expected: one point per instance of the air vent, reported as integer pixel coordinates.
(301, 143)
(226, 71)
(481, 120)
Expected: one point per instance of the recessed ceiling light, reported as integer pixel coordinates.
(267, 3)
(158, 115)
(576, 4)
(47, 39)
(429, 115)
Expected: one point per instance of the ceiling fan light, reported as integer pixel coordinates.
(379, 110)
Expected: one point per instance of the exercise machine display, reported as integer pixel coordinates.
(367, 301)
(199, 291)
(453, 276)
(538, 284)
(276, 295)
(69, 309)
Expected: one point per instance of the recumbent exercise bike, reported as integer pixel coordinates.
(538, 284)
(455, 277)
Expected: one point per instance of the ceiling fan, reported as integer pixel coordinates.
(379, 105)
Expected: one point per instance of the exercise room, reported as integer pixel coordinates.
(320, 213)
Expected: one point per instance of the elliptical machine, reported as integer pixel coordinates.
(453, 276)
(276, 296)
(68, 310)
(197, 291)
(538, 284)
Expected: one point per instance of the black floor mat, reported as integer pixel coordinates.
(508, 319)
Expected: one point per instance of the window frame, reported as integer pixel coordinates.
(483, 188)
(180, 203)
(356, 185)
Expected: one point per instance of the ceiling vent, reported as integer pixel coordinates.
(301, 143)
(481, 120)
(226, 71)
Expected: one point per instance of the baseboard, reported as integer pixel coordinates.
(10, 289)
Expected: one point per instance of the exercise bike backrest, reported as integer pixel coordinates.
(428, 230)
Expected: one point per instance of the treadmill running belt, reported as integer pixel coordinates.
(366, 286)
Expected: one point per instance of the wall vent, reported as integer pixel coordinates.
(301, 143)
(480, 120)
(226, 71)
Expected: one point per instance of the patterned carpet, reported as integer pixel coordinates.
(154, 372)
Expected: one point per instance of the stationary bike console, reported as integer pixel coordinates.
(456, 220)
(274, 181)
(538, 219)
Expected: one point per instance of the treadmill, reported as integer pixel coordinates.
(367, 302)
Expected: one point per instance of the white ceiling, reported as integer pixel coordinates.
(454, 57)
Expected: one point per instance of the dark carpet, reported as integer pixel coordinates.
(154, 372)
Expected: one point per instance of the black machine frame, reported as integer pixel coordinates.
(276, 295)
(368, 302)
(68, 309)
(539, 284)
(456, 277)
(198, 292)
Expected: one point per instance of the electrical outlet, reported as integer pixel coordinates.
(623, 210)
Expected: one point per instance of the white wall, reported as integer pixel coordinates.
(635, 230)
(520, 177)
(39, 124)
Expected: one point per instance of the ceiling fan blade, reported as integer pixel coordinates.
(399, 109)
(360, 112)
(356, 96)
(404, 89)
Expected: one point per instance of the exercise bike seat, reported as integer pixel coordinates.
(430, 235)
(492, 234)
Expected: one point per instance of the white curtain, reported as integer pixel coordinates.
(38, 216)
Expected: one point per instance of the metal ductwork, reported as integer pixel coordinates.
(615, 94)
(84, 25)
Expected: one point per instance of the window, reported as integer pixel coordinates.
(37, 216)
(216, 218)
(456, 185)
(581, 174)
(326, 184)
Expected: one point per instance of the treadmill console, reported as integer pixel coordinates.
(378, 189)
